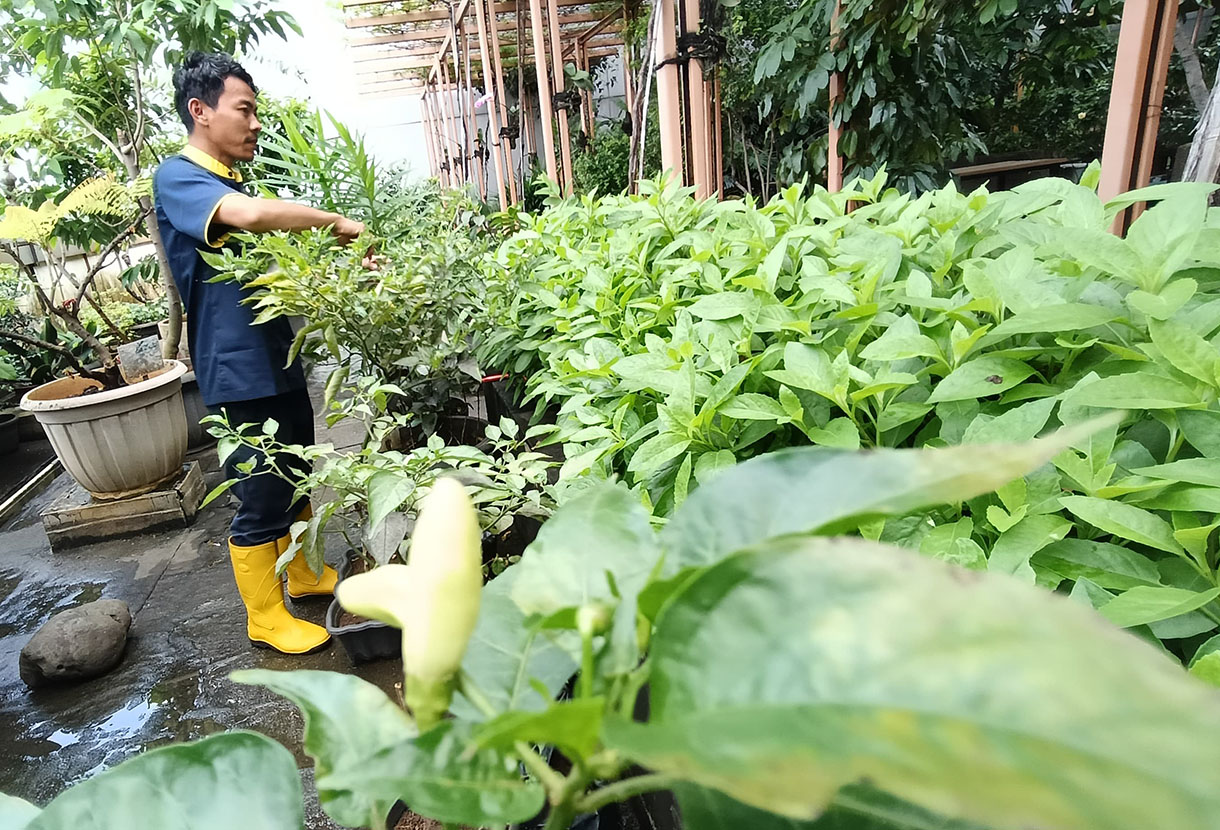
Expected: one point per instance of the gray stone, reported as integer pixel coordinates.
(76, 644)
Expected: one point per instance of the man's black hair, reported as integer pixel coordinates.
(202, 75)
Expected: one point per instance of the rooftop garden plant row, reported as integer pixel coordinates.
(670, 339)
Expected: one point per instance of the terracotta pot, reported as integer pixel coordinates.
(116, 443)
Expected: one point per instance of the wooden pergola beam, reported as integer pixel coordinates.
(439, 33)
(416, 83)
(424, 15)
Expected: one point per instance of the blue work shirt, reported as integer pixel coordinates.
(234, 360)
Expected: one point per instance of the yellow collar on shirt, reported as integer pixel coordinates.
(210, 164)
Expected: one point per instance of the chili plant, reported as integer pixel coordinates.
(368, 497)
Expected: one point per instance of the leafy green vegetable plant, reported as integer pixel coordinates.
(792, 679)
(370, 495)
(671, 338)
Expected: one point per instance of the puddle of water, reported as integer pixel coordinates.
(63, 739)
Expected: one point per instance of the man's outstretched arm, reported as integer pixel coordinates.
(262, 215)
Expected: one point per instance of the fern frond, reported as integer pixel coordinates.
(20, 224)
(102, 196)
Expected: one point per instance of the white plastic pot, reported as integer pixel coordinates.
(117, 443)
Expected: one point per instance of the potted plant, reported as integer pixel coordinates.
(117, 436)
(409, 321)
(373, 494)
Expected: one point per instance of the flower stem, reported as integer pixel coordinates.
(623, 790)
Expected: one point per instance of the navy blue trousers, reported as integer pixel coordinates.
(268, 507)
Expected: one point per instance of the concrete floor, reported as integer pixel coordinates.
(188, 635)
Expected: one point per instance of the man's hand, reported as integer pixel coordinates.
(345, 230)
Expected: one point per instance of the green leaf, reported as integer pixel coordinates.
(599, 548)
(973, 696)
(236, 779)
(1109, 566)
(1012, 551)
(1021, 423)
(1124, 521)
(346, 720)
(1201, 427)
(1148, 604)
(751, 406)
(1165, 304)
(442, 777)
(806, 367)
(1137, 390)
(218, 491)
(1204, 471)
(1186, 351)
(1052, 319)
(16, 813)
(839, 434)
(980, 378)
(1207, 669)
(809, 489)
(271, 427)
(572, 725)
(710, 464)
(657, 451)
(506, 654)
(387, 490)
(723, 306)
(854, 808)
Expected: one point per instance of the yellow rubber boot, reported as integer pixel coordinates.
(302, 582)
(268, 623)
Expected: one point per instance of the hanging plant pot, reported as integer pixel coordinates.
(120, 442)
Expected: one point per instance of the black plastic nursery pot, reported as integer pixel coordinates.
(364, 641)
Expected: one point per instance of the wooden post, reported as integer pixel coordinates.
(669, 107)
(565, 138)
(493, 26)
(544, 90)
(718, 140)
(491, 87)
(457, 168)
(473, 145)
(834, 161)
(1140, 68)
(697, 118)
(433, 169)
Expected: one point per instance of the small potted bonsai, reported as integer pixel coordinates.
(373, 495)
(117, 436)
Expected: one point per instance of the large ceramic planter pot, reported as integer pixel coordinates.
(116, 443)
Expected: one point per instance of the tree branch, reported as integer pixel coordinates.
(110, 248)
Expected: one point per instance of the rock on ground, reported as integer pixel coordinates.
(76, 644)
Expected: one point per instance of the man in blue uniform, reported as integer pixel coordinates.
(240, 366)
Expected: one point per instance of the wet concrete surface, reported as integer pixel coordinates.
(172, 685)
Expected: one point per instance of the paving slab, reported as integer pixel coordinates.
(172, 685)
